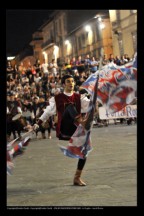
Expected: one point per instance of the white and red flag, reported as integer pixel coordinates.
(114, 87)
(13, 150)
(80, 143)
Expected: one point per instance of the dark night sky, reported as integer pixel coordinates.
(20, 25)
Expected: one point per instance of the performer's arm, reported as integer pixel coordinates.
(84, 109)
(84, 103)
(49, 111)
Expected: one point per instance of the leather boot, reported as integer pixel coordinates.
(77, 180)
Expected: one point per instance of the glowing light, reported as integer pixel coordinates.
(66, 42)
(10, 58)
(87, 28)
(99, 19)
(102, 25)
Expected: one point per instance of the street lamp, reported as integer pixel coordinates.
(67, 42)
(10, 58)
(99, 19)
(102, 25)
(88, 28)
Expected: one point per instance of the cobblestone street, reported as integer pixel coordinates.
(43, 176)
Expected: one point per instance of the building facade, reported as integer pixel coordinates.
(36, 43)
(62, 42)
(124, 31)
(62, 38)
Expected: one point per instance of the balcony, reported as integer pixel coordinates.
(48, 43)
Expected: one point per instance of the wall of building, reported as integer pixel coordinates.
(118, 30)
(28, 59)
(124, 25)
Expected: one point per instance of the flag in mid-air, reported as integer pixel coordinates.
(115, 88)
(13, 150)
(117, 85)
(79, 144)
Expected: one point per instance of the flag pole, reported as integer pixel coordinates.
(100, 66)
(91, 114)
(13, 141)
(90, 118)
(27, 132)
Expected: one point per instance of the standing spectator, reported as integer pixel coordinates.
(87, 63)
(73, 64)
(123, 60)
(37, 67)
(93, 65)
(111, 58)
(9, 69)
(53, 67)
(104, 60)
(37, 78)
(44, 68)
(117, 60)
(80, 65)
(127, 57)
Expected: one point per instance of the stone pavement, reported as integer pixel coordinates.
(43, 175)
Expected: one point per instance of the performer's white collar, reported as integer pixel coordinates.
(68, 94)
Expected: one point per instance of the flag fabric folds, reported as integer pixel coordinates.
(114, 87)
(79, 144)
(117, 85)
(13, 150)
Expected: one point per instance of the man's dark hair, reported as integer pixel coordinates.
(66, 77)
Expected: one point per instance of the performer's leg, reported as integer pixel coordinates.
(77, 180)
(81, 163)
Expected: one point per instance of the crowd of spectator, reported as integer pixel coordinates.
(31, 87)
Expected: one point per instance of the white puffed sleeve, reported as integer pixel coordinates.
(84, 103)
(50, 110)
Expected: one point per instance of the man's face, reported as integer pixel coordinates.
(69, 84)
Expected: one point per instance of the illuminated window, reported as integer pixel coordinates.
(134, 37)
(121, 47)
(133, 11)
